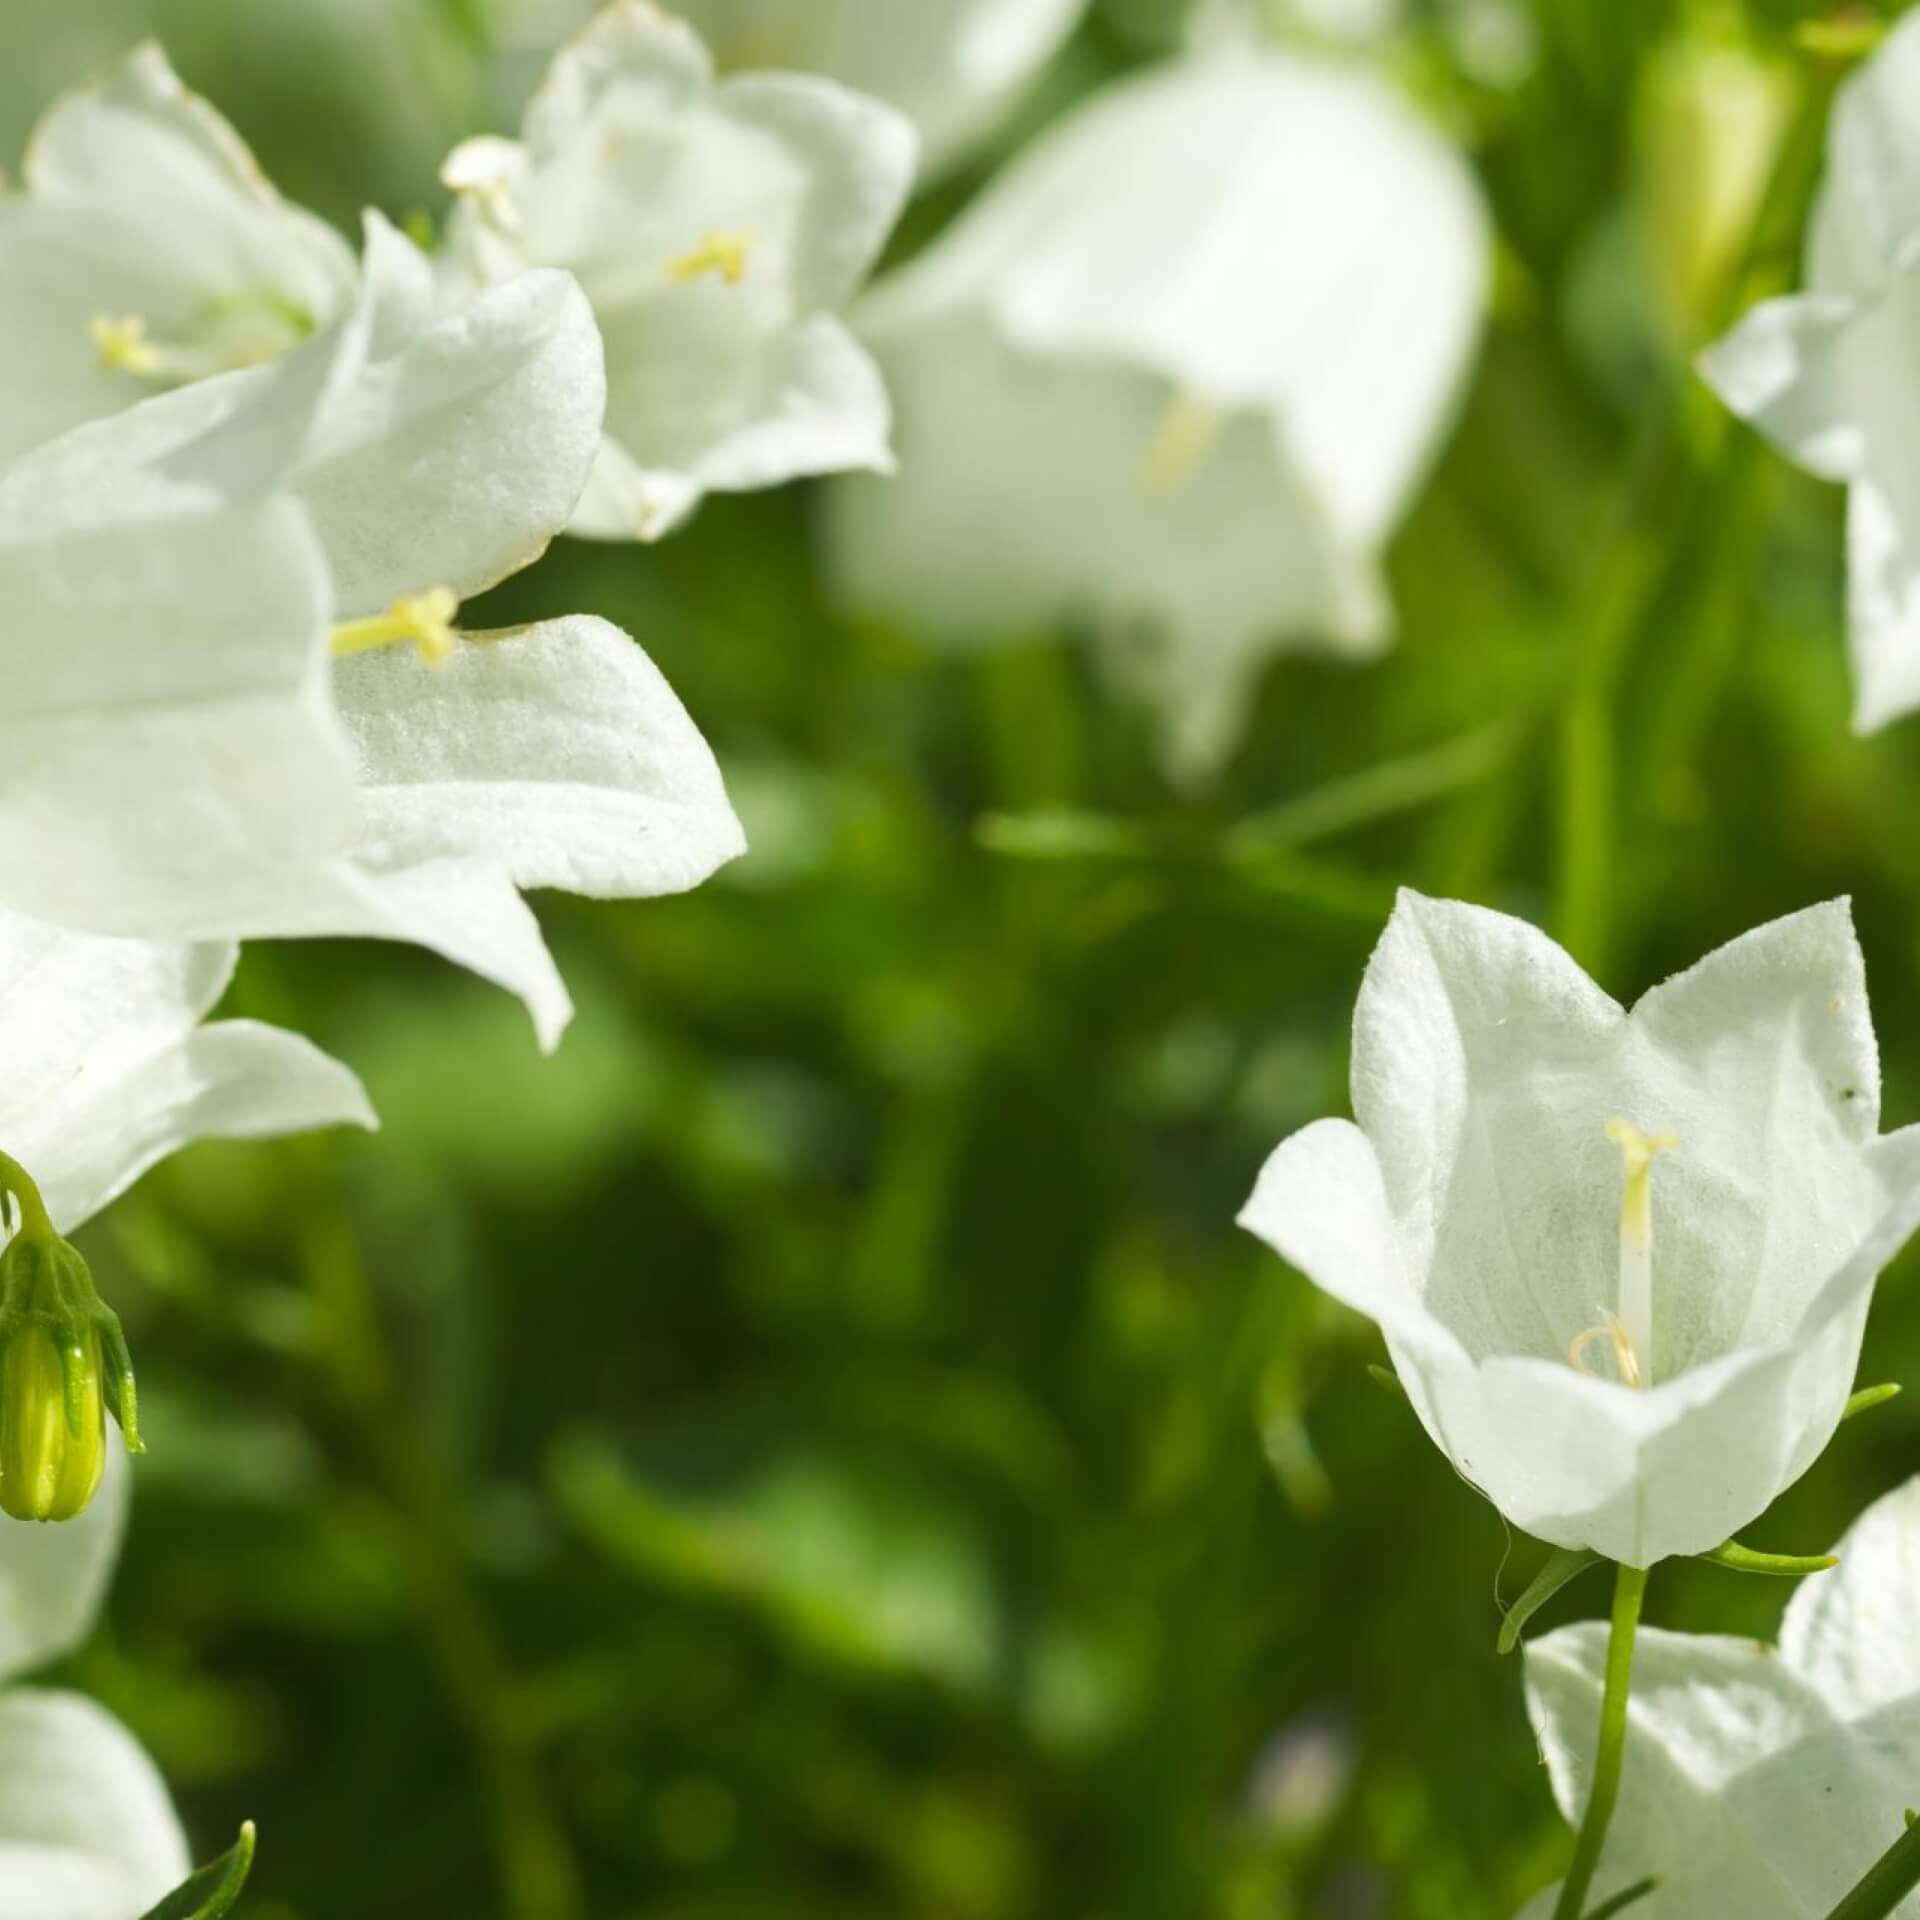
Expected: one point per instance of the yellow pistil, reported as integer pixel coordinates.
(122, 344)
(1183, 439)
(423, 620)
(721, 253)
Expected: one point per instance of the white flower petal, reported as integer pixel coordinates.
(952, 65)
(1740, 1788)
(1883, 591)
(1868, 218)
(109, 1069)
(428, 452)
(140, 200)
(87, 1831)
(53, 1579)
(1469, 1025)
(1854, 1633)
(1786, 368)
(555, 755)
(195, 641)
(1320, 1204)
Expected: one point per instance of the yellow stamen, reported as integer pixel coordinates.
(122, 344)
(1183, 439)
(721, 253)
(423, 620)
(1626, 1363)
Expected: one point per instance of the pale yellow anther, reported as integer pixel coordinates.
(1185, 436)
(1626, 1363)
(423, 620)
(122, 344)
(721, 253)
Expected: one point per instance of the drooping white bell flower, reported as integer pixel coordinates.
(1622, 1259)
(718, 229)
(145, 248)
(1759, 1781)
(298, 741)
(1832, 375)
(1176, 374)
(953, 66)
(87, 1831)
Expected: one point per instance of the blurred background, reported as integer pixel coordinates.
(818, 1447)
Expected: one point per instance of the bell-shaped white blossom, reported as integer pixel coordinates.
(718, 228)
(87, 1831)
(1832, 375)
(952, 66)
(1622, 1259)
(261, 721)
(145, 248)
(1176, 374)
(1759, 1781)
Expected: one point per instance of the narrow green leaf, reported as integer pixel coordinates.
(1562, 1564)
(1788, 1566)
(210, 1893)
(1870, 1397)
(1625, 1898)
(1386, 1378)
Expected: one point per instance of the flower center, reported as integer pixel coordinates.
(721, 253)
(1181, 442)
(423, 620)
(238, 330)
(1630, 1326)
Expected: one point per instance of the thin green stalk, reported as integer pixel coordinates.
(1888, 1881)
(1629, 1588)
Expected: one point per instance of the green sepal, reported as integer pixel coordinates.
(1562, 1564)
(210, 1893)
(1870, 1397)
(1786, 1566)
(1625, 1898)
(1386, 1377)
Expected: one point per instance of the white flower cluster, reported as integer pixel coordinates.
(1160, 378)
(245, 489)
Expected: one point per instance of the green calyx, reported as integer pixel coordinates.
(64, 1367)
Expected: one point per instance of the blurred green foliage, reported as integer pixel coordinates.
(818, 1446)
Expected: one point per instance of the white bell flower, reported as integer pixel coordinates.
(87, 1831)
(952, 66)
(145, 248)
(1176, 373)
(1759, 1781)
(717, 229)
(1832, 377)
(1622, 1259)
(262, 720)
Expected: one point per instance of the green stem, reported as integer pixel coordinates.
(1629, 1589)
(16, 1179)
(1888, 1881)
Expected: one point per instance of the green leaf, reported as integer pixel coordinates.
(1562, 1564)
(1870, 1397)
(1786, 1566)
(210, 1893)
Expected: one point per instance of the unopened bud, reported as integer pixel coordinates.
(63, 1367)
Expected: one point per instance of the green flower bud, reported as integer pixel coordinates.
(53, 1426)
(63, 1367)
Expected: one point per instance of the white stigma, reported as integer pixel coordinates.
(1635, 1304)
